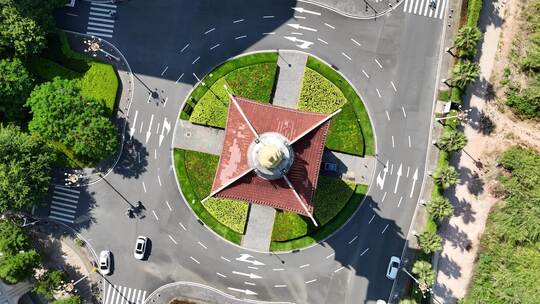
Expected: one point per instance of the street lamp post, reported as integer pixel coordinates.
(94, 46)
(463, 115)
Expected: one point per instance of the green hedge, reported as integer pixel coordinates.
(46, 69)
(195, 172)
(349, 92)
(101, 83)
(231, 213)
(224, 69)
(326, 230)
(473, 12)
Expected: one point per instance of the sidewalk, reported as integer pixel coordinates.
(368, 9)
(462, 232)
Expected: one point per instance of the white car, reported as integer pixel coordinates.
(393, 268)
(105, 262)
(140, 247)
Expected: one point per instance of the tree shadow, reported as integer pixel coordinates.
(457, 237)
(134, 158)
(449, 267)
(464, 209)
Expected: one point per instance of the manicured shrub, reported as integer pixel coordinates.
(231, 213)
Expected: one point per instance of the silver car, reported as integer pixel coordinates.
(140, 247)
(393, 267)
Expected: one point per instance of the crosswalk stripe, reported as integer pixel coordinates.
(416, 6)
(102, 9)
(101, 24)
(138, 297)
(426, 8)
(128, 295)
(143, 297)
(104, 5)
(99, 14)
(108, 295)
(67, 189)
(123, 298)
(63, 209)
(61, 219)
(443, 8)
(99, 34)
(99, 29)
(56, 197)
(133, 296)
(101, 19)
(65, 194)
(63, 204)
(62, 215)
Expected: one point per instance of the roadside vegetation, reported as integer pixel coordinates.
(507, 270)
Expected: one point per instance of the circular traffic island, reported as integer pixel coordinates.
(281, 141)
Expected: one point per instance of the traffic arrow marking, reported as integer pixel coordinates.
(303, 10)
(303, 43)
(244, 258)
(299, 27)
(399, 172)
(249, 275)
(414, 179)
(148, 133)
(132, 129)
(246, 291)
(166, 126)
(380, 180)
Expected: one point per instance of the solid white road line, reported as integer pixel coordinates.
(384, 230)
(240, 37)
(371, 220)
(340, 268)
(215, 46)
(353, 239)
(330, 26)
(297, 33)
(378, 63)
(299, 17)
(155, 155)
(164, 70)
(393, 145)
(196, 59)
(393, 86)
(269, 33)
(252, 267)
(225, 259)
(399, 203)
(404, 114)
(268, 17)
(392, 169)
(182, 225)
(280, 286)
(409, 141)
(356, 42)
(319, 39)
(210, 30)
(311, 281)
(173, 240)
(144, 187)
(304, 266)
(158, 179)
(202, 245)
(278, 269)
(408, 170)
(168, 205)
(383, 197)
(155, 215)
(346, 56)
(221, 275)
(364, 252)
(195, 260)
(249, 283)
(378, 93)
(330, 255)
(238, 21)
(365, 73)
(387, 115)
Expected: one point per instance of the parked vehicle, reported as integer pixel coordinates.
(393, 267)
(140, 247)
(105, 262)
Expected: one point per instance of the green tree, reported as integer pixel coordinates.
(407, 301)
(12, 238)
(49, 282)
(61, 114)
(429, 241)
(18, 267)
(25, 166)
(15, 87)
(464, 72)
(69, 300)
(440, 208)
(452, 141)
(424, 272)
(466, 39)
(445, 177)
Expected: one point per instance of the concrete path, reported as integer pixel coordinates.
(291, 73)
(259, 228)
(462, 232)
(198, 138)
(359, 169)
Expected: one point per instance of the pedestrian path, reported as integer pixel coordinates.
(116, 294)
(64, 204)
(101, 20)
(423, 8)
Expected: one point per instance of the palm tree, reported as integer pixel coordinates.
(445, 177)
(464, 72)
(429, 241)
(466, 40)
(440, 208)
(452, 141)
(425, 274)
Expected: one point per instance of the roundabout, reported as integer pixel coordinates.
(272, 150)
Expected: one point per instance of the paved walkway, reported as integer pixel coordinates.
(198, 138)
(461, 234)
(259, 228)
(359, 169)
(291, 67)
(358, 9)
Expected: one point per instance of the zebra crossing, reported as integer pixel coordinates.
(115, 294)
(101, 20)
(64, 204)
(423, 8)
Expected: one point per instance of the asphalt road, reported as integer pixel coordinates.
(392, 61)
